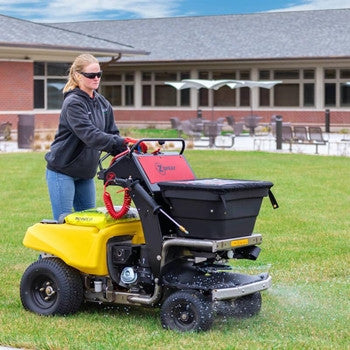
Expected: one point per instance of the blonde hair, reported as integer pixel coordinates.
(78, 66)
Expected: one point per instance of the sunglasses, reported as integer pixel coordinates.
(92, 75)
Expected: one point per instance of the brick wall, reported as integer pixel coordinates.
(16, 88)
(338, 119)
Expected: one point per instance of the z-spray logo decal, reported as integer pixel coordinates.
(161, 169)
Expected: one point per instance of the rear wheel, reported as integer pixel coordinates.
(186, 311)
(50, 287)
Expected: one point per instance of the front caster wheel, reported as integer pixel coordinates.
(186, 311)
(50, 287)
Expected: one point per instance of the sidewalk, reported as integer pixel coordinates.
(337, 145)
(11, 146)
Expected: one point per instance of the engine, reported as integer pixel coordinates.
(128, 266)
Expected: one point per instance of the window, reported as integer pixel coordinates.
(55, 93)
(287, 95)
(225, 96)
(309, 95)
(330, 74)
(264, 75)
(296, 90)
(345, 95)
(165, 95)
(39, 68)
(156, 93)
(118, 88)
(185, 97)
(58, 69)
(113, 94)
(39, 93)
(309, 74)
(330, 95)
(244, 97)
(264, 97)
(49, 81)
(146, 95)
(336, 91)
(286, 74)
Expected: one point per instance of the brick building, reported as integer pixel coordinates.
(309, 51)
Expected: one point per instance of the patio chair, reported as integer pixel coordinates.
(5, 131)
(197, 124)
(300, 134)
(287, 133)
(316, 136)
(236, 127)
(230, 121)
(220, 120)
(187, 129)
(211, 130)
(251, 122)
(176, 124)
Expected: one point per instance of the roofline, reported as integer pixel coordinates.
(96, 51)
(225, 60)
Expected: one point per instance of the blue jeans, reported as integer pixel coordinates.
(67, 193)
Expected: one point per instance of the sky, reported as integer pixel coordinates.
(87, 10)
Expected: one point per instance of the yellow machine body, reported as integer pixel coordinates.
(81, 242)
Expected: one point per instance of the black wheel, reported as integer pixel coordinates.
(50, 287)
(243, 307)
(186, 311)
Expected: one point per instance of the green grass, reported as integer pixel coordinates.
(149, 133)
(305, 248)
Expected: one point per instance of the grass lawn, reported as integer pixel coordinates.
(305, 248)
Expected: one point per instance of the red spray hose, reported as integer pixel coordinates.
(108, 199)
(109, 204)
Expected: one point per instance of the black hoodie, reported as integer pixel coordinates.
(86, 127)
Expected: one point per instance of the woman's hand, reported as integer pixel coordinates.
(142, 146)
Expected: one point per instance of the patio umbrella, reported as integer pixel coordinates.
(251, 122)
(217, 84)
(266, 84)
(202, 83)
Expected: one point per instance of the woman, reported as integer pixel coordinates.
(86, 127)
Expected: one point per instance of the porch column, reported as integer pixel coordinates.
(254, 92)
(138, 89)
(319, 88)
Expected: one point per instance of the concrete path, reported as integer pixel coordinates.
(337, 145)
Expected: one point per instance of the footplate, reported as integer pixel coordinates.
(241, 290)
